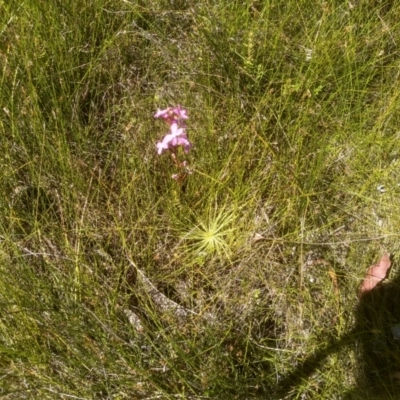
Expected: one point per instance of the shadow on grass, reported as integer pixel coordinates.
(376, 338)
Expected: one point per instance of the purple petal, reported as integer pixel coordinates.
(175, 131)
(160, 147)
(162, 113)
(180, 141)
(169, 138)
(180, 112)
(167, 141)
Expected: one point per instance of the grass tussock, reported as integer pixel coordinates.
(117, 282)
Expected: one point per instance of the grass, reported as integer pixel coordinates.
(116, 282)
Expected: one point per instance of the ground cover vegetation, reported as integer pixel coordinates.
(238, 279)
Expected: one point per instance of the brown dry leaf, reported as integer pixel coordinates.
(375, 274)
(333, 276)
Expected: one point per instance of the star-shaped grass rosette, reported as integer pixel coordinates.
(177, 137)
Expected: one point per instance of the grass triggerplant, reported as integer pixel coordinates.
(231, 279)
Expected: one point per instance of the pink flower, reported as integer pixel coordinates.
(177, 137)
(180, 112)
(172, 115)
(184, 142)
(164, 144)
(175, 131)
(168, 115)
(163, 113)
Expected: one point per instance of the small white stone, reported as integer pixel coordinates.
(381, 189)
